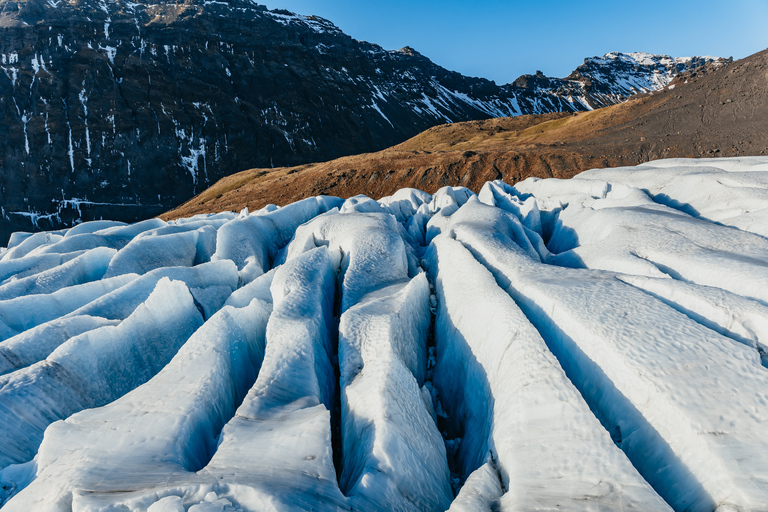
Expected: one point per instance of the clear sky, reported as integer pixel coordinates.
(501, 40)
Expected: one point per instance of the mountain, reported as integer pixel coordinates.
(711, 111)
(125, 109)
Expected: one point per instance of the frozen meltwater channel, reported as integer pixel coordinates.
(599, 344)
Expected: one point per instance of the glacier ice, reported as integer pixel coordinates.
(681, 438)
(599, 343)
(87, 267)
(93, 369)
(36, 344)
(383, 333)
(514, 404)
(178, 413)
(28, 311)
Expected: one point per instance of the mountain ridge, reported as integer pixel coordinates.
(707, 112)
(123, 110)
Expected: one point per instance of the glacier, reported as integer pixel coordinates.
(598, 343)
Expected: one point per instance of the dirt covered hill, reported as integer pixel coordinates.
(708, 112)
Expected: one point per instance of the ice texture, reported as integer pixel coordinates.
(514, 404)
(178, 413)
(252, 241)
(87, 267)
(730, 191)
(93, 369)
(152, 251)
(382, 362)
(668, 400)
(598, 343)
(210, 284)
(279, 442)
(29, 311)
(36, 344)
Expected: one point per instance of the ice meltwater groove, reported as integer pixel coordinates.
(279, 442)
(385, 419)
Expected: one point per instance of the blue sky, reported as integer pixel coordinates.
(501, 40)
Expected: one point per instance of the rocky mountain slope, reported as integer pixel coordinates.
(709, 112)
(124, 109)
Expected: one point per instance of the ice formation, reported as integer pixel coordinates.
(598, 343)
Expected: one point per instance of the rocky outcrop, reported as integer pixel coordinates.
(122, 110)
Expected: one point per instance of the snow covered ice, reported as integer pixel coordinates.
(598, 343)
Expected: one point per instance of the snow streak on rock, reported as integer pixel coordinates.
(593, 343)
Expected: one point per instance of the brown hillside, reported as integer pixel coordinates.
(720, 112)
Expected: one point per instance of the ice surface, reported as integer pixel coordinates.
(152, 251)
(737, 317)
(481, 491)
(93, 369)
(666, 388)
(394, 457)
(178, 413)
(36, 344)
(405, 203)
(92, 227)
(252, 241)
(259, 288)
(211, 284)
(597, 343)
(602, 232)
(28, 311)
(87, 267)
(382, 362)
(279, 442)
(23, 267)
(387, 258)
(30, 243)
(731, 191)
(513, 403)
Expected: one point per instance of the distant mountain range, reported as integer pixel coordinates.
(122, 109)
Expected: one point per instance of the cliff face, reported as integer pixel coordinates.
(123, 110)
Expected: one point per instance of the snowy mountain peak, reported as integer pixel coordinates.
(619, 75)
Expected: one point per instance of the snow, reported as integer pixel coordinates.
(599, 343)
